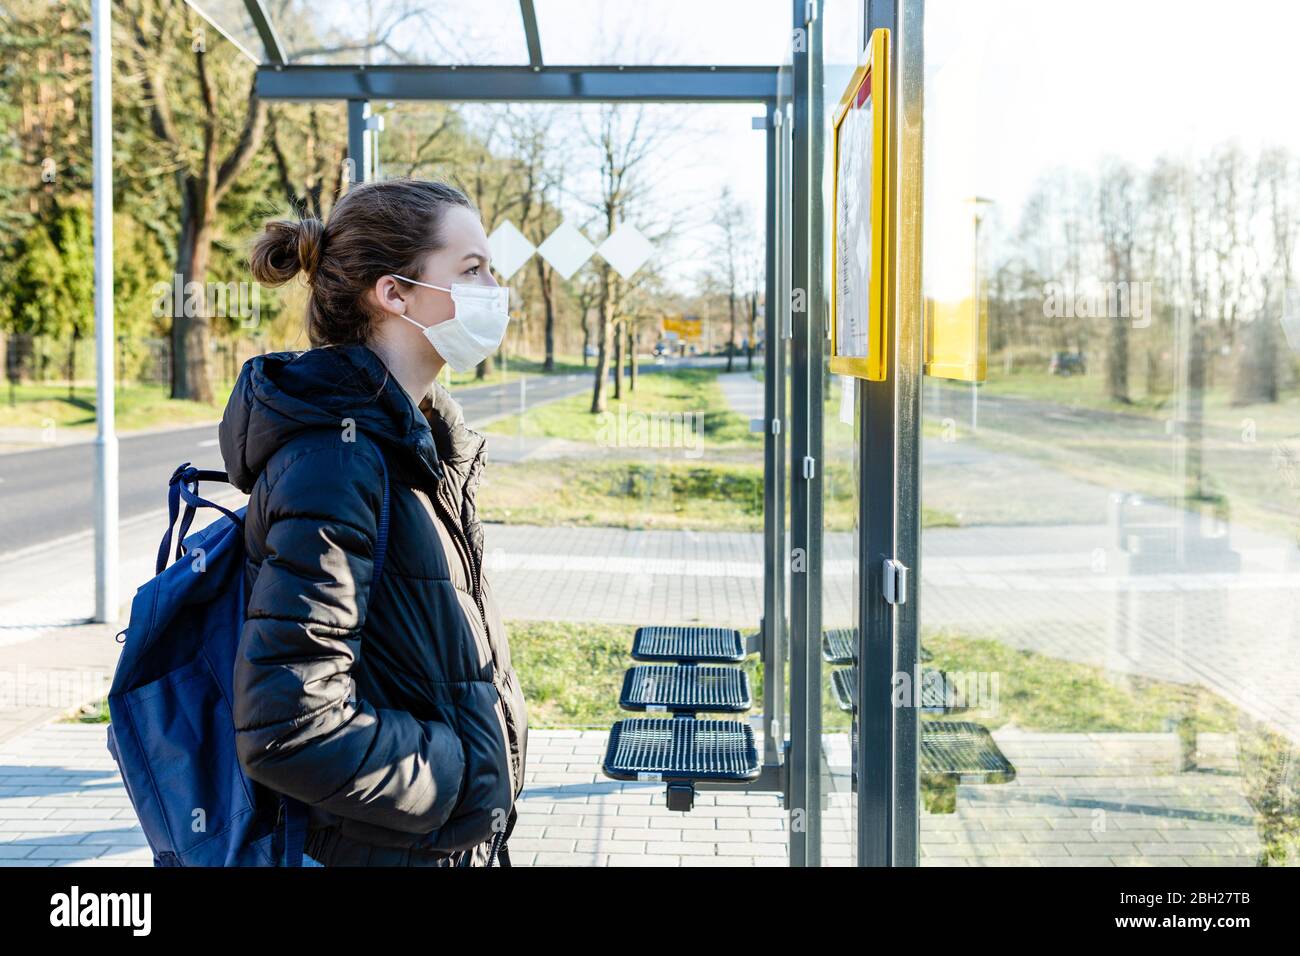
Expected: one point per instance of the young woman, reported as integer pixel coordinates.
(385, 703)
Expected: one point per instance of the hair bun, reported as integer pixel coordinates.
(287, 247)
(311, 239)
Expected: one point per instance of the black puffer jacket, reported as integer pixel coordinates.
(394, 713)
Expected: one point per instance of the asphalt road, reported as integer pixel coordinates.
(48, 493)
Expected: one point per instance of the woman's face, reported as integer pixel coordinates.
(464, 257)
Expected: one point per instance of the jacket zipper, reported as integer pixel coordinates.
(478, 600)
(473, 567)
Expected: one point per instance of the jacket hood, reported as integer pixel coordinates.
(280, 394)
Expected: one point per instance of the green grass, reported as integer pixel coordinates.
(572, 673)
(696, 495)
(1089, 391)
(688, 390)
(718, 486)
(1242, 448)
(42, 405)
(1041, 693)
(584, 492)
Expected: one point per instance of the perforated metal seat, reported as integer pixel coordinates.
(938, 693)
(844, 684)
(686, 689)
(681, 749)
(688, 644)
(964, 752)
(840, 645)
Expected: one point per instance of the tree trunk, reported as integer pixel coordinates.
(1193, 424)
(599, 399)
(548, 300)
(483, 369)
(632, 363)
(731, 338)
(1117, 360)
(1255, 379)
(191, 333)
(72, 364)
(753, 330)
(618, 360)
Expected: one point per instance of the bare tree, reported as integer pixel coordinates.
(206, 161)
(1117, 216)
(538, 171)
(310, 171)
(729, 219)
(623, 139)
(1256, 374)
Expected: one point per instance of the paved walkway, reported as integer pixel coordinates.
(1079, 800)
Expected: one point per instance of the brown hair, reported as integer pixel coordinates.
(374, 230)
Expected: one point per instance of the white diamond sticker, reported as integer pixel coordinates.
(510, 249)
(626, 250)
(566, 249)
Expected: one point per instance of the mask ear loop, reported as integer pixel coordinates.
(427, 286)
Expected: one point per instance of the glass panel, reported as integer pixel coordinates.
(721, 32)
(650, 511)
(840, 27)
(1111, 519)
(231, 19)
(781, 325)
(490, 32)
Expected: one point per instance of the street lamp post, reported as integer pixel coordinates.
(105, 477)
(977, 202)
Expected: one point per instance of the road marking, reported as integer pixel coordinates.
(209, 442)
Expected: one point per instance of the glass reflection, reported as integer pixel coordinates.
(1111, 520)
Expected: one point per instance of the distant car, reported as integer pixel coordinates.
(590, 351)
(1067, 363)
(660, 349)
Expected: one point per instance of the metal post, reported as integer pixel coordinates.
(806, 445)
(374, 126)
(773, 473)
(876, 711)
(358, 141)
(101, 125)
(818, 330)
(889, 463)
(909, 313)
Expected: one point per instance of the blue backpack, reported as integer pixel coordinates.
(172, 729)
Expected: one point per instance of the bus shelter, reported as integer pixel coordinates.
(866, 784)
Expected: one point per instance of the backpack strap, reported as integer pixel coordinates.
(293, 812)
(179, 488)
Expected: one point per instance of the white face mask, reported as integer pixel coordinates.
(477, 328)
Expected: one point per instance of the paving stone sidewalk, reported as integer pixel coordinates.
(1079, 800)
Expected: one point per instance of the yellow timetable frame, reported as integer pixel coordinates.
(874, 76)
